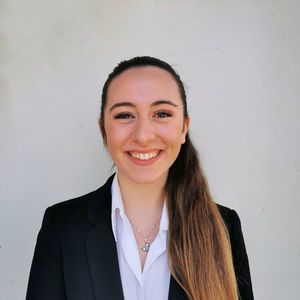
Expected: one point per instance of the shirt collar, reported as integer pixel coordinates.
(164, 221)
(117, 207)
(116, 204)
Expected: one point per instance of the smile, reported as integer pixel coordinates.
(144, 156)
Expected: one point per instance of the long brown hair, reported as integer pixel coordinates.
(198, 244)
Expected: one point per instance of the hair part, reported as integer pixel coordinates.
(199, 251)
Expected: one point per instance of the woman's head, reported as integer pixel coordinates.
(143, 119)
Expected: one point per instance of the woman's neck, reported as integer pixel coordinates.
(142, 201)
(143, 204)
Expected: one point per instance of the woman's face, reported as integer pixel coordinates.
(144, 124)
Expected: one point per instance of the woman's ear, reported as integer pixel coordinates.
(102, 130)
(186, 126)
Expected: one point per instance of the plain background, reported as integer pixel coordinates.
(240, 63)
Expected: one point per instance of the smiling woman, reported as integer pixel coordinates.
(144, 133)
(152, 231)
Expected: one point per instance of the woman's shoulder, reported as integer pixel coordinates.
(103, 192)
(72, 206)
(226, 212)
(229, 216)
(82, 207)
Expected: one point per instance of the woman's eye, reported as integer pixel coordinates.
(162, 114)
(123, 116)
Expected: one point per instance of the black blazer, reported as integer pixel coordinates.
(75, 256)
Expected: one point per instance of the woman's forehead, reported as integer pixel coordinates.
(140, 82)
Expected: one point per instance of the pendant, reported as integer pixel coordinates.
(146, 247)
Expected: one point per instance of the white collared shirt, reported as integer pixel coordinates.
(153, 282)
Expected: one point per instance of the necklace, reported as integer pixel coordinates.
(146, 246)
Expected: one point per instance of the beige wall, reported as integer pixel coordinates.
(240, 62)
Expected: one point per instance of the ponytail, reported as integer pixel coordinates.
(199, 249)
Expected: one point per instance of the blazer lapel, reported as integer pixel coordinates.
(101, 247)
(103, 261)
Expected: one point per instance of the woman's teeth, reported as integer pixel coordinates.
(144, 156)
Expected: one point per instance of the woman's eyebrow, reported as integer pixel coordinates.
(159, 102)
(124, 103)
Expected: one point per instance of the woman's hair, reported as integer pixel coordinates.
(199, 250)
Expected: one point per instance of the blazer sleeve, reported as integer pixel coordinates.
(46, 274)
(240, 258)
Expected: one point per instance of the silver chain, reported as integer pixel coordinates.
(146, 246)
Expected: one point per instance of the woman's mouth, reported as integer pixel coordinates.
(144, 155)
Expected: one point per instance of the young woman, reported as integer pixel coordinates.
(152, 231)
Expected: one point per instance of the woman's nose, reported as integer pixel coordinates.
(144, 131)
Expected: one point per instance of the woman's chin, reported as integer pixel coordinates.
(143, 178)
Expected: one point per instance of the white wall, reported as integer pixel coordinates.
(240, 62)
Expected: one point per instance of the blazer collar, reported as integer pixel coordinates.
(101, 247)
(99, 206)
(102, 250)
